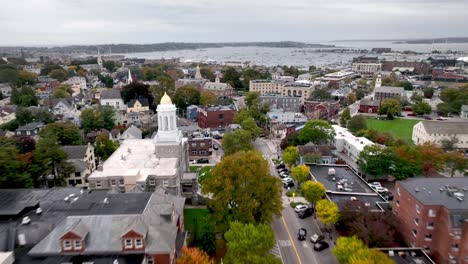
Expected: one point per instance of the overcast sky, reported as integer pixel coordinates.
(59, 22)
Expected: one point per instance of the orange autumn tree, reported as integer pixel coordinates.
(194, 256)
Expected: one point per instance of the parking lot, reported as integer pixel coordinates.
(343, 174)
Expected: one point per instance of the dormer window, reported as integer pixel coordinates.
(138, 243)
(67, 245)
(128, 243)
(77, 245)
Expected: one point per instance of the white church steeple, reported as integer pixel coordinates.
(99, 59)
(167, 121)
(129, 78)
(378, 81)
(198, 73)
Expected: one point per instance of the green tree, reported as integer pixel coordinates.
(24, 96)
(242, 189)
(428, 92)
(97, 118)
(352, 98)
(106, 80)
(59, 74)
(50, 159)
(185, 96)
(62, 92)
(207, 98)
(422, 108)
(26, 78)
(110, 65)
(232, 76)
(204, 235)
(290, 155)
(453, 99)
(320, 93)
(253, 74)
(237, 141)
(416, 97)
(345, 117)
(327, 211)
(12, 169)
(250, 126)
(313, 191)
(207, 74)
(375, 160)
(64, 133)
(449, 144)
(351, 250)
(137, 90)
(357, 123)
(300, 173)
(317, 132)
(241, 115)
(105, 147)
(8, 73)
(456, 161)
(252, 98)
(248, 243)
(390, 107)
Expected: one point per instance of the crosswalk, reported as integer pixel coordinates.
(276, 250)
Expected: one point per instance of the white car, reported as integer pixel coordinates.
(300, 207)
(26, 220)
(286, 180)
(375, 184)
(381, 189)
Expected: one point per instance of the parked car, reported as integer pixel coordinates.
(215, 147)
(301, 234)
(283, 170)
(300, 207)
(428, 118)
(285, 180)
(375, 184)
(284, 175)
(288, 184)
(381, 190)
(316, 238)
(306, 213)
(280, 166)
(200, 161)
(319, 246)
(388, 196)
(217, 137)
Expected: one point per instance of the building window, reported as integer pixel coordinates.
(455, 247)
(165, 183)
(416, 221)
(150, 260)
(194, 152)
(428, 237)
(78, 174)
(152, 181)
(113, 182)
(398, 190)
(415, 232)
(67, 245)
(398, 203)
(430, 225)
(202, 152)
(202, 144)
(121, 182)
(418, 209)
(432, 213)
(98, 184)
(138, 243)
(128, 243)
(194, 145)
(77, 245)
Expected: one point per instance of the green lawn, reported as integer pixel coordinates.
(204, 173)
(192, 215)
(399, 128)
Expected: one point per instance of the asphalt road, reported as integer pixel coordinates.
(285, 227)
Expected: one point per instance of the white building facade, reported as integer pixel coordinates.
(436, 132)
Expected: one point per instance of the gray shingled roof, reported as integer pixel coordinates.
(445, 127)
(143, 102)
(104, 231)
(311, 148)
(111, 94)
(389, 89)
(78, 228)
(365, 101)
(75, 152)
(30, 126)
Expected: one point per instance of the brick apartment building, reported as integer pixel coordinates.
(433, 215)
(200, 146)
(216, 116)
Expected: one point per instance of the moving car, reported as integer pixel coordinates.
(306, 213)
(300, 207)
(316, 238)
(301, 234)
(319, 246)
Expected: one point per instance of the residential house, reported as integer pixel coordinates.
(218, 88)
(131, 133)
(216, 116)
(279, 130)
(7, 114)
(31, 129)
(112, 97)
(433, 102)
(437, 131)
(77, 84)
(369, 106)
(433, 214)
(286, 103)
(315, 154)
(200, 145)
(464, 112)
(144, 228)
(138, 105)
(92, 135)
(144, 119)
(83, 160)
(66, 110)
(5, 89)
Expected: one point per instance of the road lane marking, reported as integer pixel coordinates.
(290, 238)
(285, 243)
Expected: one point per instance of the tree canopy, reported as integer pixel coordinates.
(236, 141)
(105, 147)
(290, 155)
(300, 173)
(351, 250)
(249, 125)
(59, 74)
(313, 191)
(422, 108)
(97, 118)
(345, 117)
(390, 107)
(317, 132)
(357, 123)
(453, 99)
(64, 133)
(185, 96)
(207, 98)
(137, 90)
(242, 189)
(375, 160)
(249, 243)
(24, 96)
(327, 211)
(194, 256)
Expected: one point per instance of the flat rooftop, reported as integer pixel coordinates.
(407, 255)
(353, 186)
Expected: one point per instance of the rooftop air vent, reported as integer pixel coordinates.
(416, 189)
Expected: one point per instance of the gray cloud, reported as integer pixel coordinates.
(41, 22)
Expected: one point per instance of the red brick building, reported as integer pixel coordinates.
(216, 116)
(324, 110)
(369, 106)
(433, 215)
(200, 147)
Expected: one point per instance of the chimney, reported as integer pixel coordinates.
(99, 167)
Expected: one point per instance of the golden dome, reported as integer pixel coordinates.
(166, 99)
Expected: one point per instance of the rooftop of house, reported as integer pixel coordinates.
(7, 110)
(219, 108)
(143, 102)
(75, 152)
(389, 89)
(310, 148)
(132, 132)
(447, 192)
(369, 102)
(30, 126)
(111, 94)
(445, 127)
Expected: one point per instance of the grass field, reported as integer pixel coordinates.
(192, 215)
(399, 128)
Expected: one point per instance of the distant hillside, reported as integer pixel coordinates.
(438, 40)
(130, 48)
